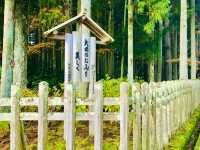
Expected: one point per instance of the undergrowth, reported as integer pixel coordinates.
(182, 136)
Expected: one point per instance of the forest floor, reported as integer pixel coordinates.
(55, 136)
(186, 137)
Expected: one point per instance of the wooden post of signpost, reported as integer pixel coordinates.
(70, 117)
(92, 65)
(68, 71)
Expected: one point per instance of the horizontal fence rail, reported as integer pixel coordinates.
(155, 111)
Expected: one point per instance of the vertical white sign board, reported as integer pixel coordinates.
(92, 64)
(68, 58)
(85, 58)
(76, 67)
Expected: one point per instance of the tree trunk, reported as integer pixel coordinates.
(175, 53)
(168, 55)
(160, 45)
(183, 71)
(20, 46)
(8, 42)
(130, 41)
(124, 40)
(193, 42)
(151, 70)
(54, 59)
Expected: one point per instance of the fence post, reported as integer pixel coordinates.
(42, 116)
(124, 112)
(152, 116)
(137, 124)
(145, 117)
(69, 121)
(159, 133)
(15, 130)
(98, 126)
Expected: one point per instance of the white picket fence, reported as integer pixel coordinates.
(158, 110)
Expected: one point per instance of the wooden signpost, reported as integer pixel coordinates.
(80, 50)
(80, 55)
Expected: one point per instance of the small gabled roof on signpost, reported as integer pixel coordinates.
(82, 18)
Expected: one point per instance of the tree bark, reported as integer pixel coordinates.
(168, 54)
(130, 41)
(124, 40)
(20, 46)
(175, 53)
(160, 49)
(151, 70)
(183, 71)
(8, 42)
(193, 42)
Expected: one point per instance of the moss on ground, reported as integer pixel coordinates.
(182, 137)
(197, 146)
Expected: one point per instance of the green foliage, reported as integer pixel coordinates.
(49, 18)
(183, 135)
(197, 144)
(28, 93)
(111, 87)
(157, 10)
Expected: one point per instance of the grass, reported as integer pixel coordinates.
(182, 137)
(197, 146)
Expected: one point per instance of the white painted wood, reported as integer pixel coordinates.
(92, 64)
(59, 101)
(59, 116)
(137, 111)
(87, 21)
(124, 111)
(85, 58)
(92, 79)
(144, 113)
(169, 95)
(98, 123)
(68, 57)
(70, 117)
(42, 116)
(76, 65)
(15, 129)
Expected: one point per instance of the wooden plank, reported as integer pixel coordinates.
(144, 90)
(92, 77)
(137, 124)
(62, 37)
(87, 21)
(85, 58)
(70, 117)
(92, 65)
(15, 129)
(68, 58)
(76, 65)
(124, 111)
(42, 116)
(98, 123)
(59, 101)
(5, 116)
(59, 116)
(97, 30)
(78, 17)
(5, 102)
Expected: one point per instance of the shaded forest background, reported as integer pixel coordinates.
(156, 37)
